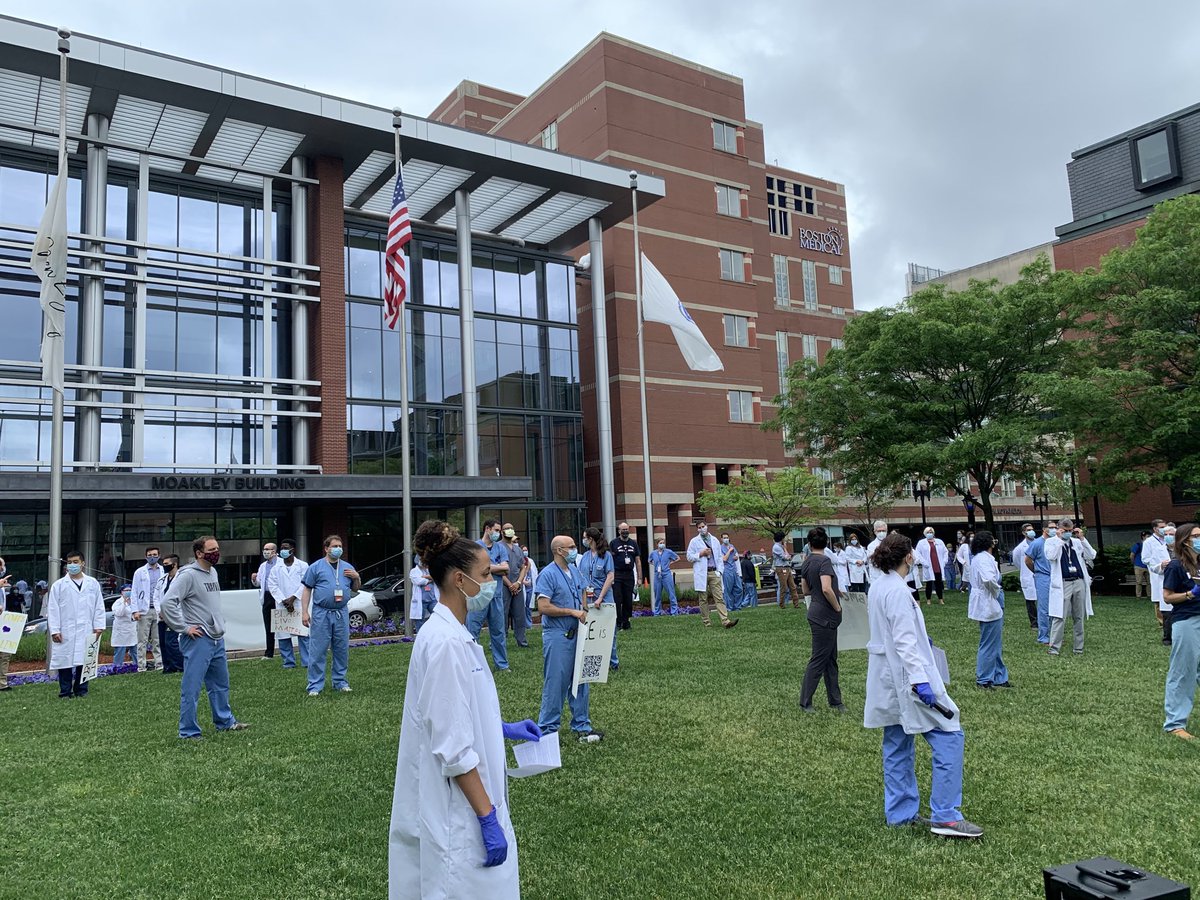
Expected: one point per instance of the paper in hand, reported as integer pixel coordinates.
(536, 757)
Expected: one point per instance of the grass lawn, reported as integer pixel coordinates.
(710, 782)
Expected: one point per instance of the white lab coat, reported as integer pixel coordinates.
(963, 555)
(75, 613)
(841, 565)
(1155, 552)
(983, 605)
(898, 657)
(1028, 586)
(420, 581)
(146, 591)
(700, 563)
(124, 629)
(921, 552)
(1054, 551)
(856, 557)
(284, 581)
(873, 574)
(451, 725)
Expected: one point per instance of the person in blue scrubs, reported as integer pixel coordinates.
(560, 600)
(596, 565)
(329, 583)
(1035, 559)
(495, 612)
(731, 575)
(662, 577)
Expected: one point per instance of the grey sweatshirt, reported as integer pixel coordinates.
(194, 598)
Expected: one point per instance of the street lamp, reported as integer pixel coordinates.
(1075, 495)
(1092, 463)
(969, 502)
(1040, 503)
(922, 494)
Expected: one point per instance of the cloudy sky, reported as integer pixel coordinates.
(949, 121)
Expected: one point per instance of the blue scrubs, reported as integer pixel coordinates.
(660, 566)
(494, 612)
(564, 589)
(595, 571)
(204, 664)
(1041, 583)
(901, 796)
(731, 579)
(330, 622)
(989, 663)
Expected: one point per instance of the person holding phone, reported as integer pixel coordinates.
(1181, 589)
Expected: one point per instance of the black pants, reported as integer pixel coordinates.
(1031, 611)
(858, 588)
(1167, 626)
(937, 585)
(69, 683)
(168, 646)
(823, 664)
(268, 607)
(623, 595)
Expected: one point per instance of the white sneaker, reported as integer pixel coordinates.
(344, 689)
(960, 829)
(314, 693)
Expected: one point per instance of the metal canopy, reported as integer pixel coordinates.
(227, 127)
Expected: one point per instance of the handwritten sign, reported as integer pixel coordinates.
(593, 646)
(855, 630)
(12, 626)
(91, 661)
(284, 622)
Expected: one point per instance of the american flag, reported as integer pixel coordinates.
(399, 234)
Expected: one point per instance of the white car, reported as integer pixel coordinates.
(363, 609)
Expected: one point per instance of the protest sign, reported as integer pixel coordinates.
(91, 661)
(286, 622)
(536, 757)
(12, 626)
(855, 630)
(593, 646)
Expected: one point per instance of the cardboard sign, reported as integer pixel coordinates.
(91, 661)
(593, 646)
(12, 626)
(855, 631)
(284, 622)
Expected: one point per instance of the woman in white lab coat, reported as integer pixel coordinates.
(451, 833)
(422, 593)
(985, 605)
(841, 567)
(124, 630)
(904, 694)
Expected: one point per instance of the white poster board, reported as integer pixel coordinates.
(284, 622)
(855, 631)
(91, 661)
(593, 646)
(12, 626)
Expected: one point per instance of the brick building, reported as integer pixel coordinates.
(759, 254)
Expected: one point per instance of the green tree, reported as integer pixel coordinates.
(940, 386)
(1131, 397)
(765, 504)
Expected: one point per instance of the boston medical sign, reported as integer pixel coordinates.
(821, 241)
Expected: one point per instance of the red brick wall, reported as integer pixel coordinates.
(1086, 252)
(327, 328)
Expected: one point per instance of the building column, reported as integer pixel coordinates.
(87, 524)
(466, 316)
(91, 299)
(708, 475)
(300, 435)
(735, 474)
(684, 519)
(608, 490)
(327, 339)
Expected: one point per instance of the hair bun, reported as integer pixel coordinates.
(433, 538)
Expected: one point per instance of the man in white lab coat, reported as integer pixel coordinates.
(873, 574)
(1028, 586)
(145, 601)
(704, 553)
(1069, 555)
(1156, 554)
(75, 615)
(283, 587)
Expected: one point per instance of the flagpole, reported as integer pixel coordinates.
(54, 557)
(405, 464)
(637, 280)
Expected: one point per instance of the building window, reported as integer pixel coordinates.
(826, 478)
(729, 200)
(733, 265)
(780, 222)
(783, 195)
(810, 346)
(1155, 157)
(835, 274)
(783, 287)
(781, 359)
(737, 331)
(809, 269)
(550, 136)
(724, 136)
(837, 344)
(741, 406)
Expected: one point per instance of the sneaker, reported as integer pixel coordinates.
(915, 822)
(807, 709)
(237, 726)
(345, 689)
(1182, 734)
(1004, 684)
(314, 693)
(591, 737)
(840, 709)
(266, 657)
(1077, 652)
(1052, 651)
(985, 685)
(960, 829)
(731, 623)
(190, 737)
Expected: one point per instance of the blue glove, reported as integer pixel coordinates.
(522, 731)
(1195, 591)
(931, 643)
(925, 693)
(494, 841)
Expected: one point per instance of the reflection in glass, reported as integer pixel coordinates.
(482, 283)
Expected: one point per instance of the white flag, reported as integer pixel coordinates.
(49, 262)
(662, 304)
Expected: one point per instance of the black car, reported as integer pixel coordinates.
(389, 591)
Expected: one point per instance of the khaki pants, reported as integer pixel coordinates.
(1141, 582)
(785, 580)
(4, 669)
(147, 628)
(715, 595)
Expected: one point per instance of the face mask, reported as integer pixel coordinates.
(495, 536)
(624, 534)
(1170, 539)
(661, 545)
(881, 534)
(854, 542)
(335, 552)
(125, 596)
(1160, 531)
(286, 554)
(152, 560)
(74, 568)
(267, 554)
(725, 541)
(703, 532)
(213, 557)
(510, 533)
(483, 598)
(929, 535)
(1031, 534)
(909, 562)
(1196, 544)
(587, 542)
(168, 567)
(572, 555)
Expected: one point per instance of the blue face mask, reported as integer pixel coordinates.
(335, 552)
(74, 568)
(152, 560)
(1196, 544)
(285, 554)
(1170, 539)
(487, 590)
(1031, 534)
(572, 555)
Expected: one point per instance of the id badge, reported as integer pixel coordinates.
(337, 595)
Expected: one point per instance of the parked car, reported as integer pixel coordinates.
(797, 562)
(766, 574)
(363, 609)
(389, 595)
(39, 625)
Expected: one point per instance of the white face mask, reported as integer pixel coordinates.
(661, 545)
(881, 534)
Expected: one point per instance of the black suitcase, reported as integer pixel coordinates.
(1105, 877)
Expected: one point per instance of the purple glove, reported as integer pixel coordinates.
(925, 693)
(494, 841)
(526, 730)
